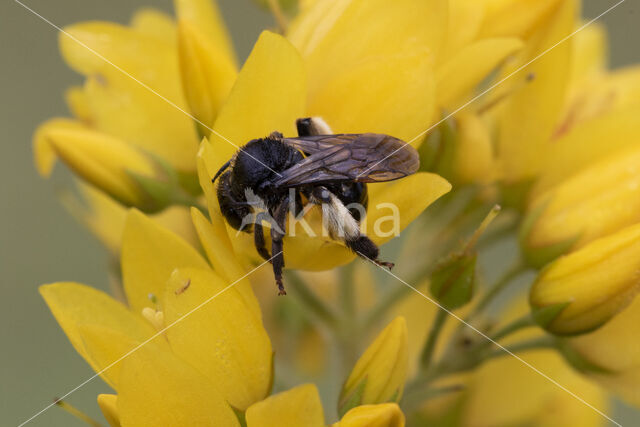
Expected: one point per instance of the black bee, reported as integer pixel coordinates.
(327, 170)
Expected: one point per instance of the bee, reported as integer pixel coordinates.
(328, 170)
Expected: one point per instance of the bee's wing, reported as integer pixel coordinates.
(366, 157)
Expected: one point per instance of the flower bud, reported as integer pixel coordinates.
(207, 74)
(453, 281)
(382, 415)
(601, 199)
(106, 162)
(593, 283)
(380, 373)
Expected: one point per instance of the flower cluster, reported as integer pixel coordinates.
(506, 103)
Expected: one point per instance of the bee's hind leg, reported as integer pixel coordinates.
(364, 246)
(277, 247)
(258, 240)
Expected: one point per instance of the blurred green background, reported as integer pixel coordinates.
(41, 243)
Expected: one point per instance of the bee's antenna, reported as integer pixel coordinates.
(222, 169)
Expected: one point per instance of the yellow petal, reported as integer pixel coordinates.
(207, 75)
(158, 389)
(465, 20)
(108, 406)
(589, 57)
(587, 144)
(515, 17)
(78, 104)
(469, 67)
(530, 114)
(598, 201)
(107, 348)
(220, 336)
(474, 159)
(205, 16)
(268, 95)
(382, 415)
(119, 104)
(350, 33)
(104, 161)
(596, 282)
(217, 245)
(215, 240)
(408, 196)
(394, 95)
(614, 348)
(154, 23)
(73, 304)
(383, 368)
(150, 253)
(299, 406)
(43, 153)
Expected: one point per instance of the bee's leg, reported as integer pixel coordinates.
(307, 126)
(364, 246)
(277, 247)
(343, 226)
(258, 240)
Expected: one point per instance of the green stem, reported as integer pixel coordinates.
(310, 300)
(546, 341)
(525, 321)
(518, 268)
(416, 397)
(347, 292)
(348, 334)
(432, 339)
(77, 413)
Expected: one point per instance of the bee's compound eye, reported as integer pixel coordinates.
(325, 194)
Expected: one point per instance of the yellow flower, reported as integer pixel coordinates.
(301, 406)
(504, 391)
(382, 415)
(591, 285)
(380, 373)
(599, 200)
(599, 116)
(528, 118)
(216, 357)
(132, 101)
